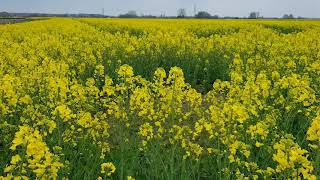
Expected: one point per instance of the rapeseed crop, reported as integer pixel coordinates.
(160, 99)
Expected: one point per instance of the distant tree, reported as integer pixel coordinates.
(162, 15)
(203, 14)
(286, 16)
(132, 13)
(129, 14)
(254, 15)
(4, 14)
(148, 16)
(182, 13)
(215, 17)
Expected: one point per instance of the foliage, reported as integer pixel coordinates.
(4, 14)
(203, 14)
(182, 13)
(254, 15)
(130, 14)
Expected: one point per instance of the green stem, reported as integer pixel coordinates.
(317, 171)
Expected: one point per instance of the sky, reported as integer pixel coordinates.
(240, 8)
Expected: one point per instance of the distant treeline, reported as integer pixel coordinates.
(132, 14)
(5, 14)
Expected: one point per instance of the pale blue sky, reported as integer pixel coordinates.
(267, 8)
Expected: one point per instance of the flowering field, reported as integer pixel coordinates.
(160, 99)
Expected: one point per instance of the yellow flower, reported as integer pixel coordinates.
(26, 99)
(64, 112)
(108, 168)
(258, 144)
(39, 159)
(313, 133)
(15, 159)
(291, 157)
(125, 71)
